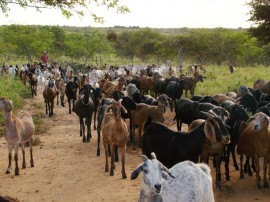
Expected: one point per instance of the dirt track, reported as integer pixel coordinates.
(68, 170)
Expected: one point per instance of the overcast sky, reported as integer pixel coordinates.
(145, 13)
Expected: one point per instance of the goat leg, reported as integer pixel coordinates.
(98, 141)
(232, 148)
(218, 174)
(9, 159)
(112, 161)
(31, 151)
(23, 153)
(258, 177)
(265, 162)
(106, 157)
(16, 160)
(116, 158)
(241, 166)
(227, 160)
(62, 101)
(124, 176)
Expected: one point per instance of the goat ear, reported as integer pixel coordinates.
(209, 131)
(108, 108)
(136, 172)
(250, 119)
(123, 109)
(9, 106)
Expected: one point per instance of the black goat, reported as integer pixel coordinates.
(204, 99)
(71, 93)
(96, 96)
(250, 103)
(174, 90)
(187, 111)
(236, 116)
(173, 147)
(84, 108)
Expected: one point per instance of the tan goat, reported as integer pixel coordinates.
(108, 87)
(143, 112)
(114, 133)
(254, 141)
(18, 130)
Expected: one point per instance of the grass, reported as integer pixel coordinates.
(220, 80)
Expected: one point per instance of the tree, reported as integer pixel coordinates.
(68, 7)
(260, 14)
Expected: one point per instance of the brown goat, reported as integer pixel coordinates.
(147, 83)
(18, 130)
(8, 199)
(190, 83)
(49, 94)
(254, 141)
(262, 85)
(114, 133)
(219, 98)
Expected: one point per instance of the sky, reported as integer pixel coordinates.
(145, 13)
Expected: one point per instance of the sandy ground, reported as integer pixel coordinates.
(68, 170)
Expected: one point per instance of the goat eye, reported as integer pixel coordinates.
(145, 171)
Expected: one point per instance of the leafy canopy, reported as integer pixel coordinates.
(260, 14)
(68, 7)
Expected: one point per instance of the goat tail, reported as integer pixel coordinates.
(205, 168)
(148, 122)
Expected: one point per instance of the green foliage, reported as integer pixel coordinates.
(203, 46)
(260, 14)
(68, 8)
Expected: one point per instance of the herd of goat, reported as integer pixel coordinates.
(218, 125)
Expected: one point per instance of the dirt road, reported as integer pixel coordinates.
(68, 170)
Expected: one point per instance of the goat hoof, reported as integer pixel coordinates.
(17, 172)
(266, 185)
(106, 169)
(250, 174)
(124, 176)
(7, 172)
(95, 128)
(116, 159)
(23, 166)
(258, 186)
(98, 153)
(236, 167)
(111, 170)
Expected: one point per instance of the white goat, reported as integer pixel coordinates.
(186, 181)
(18, 130)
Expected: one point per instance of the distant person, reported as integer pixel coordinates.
(44, 58)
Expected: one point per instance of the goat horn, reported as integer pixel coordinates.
(144, 158)
(164, 168)
(153, 155)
